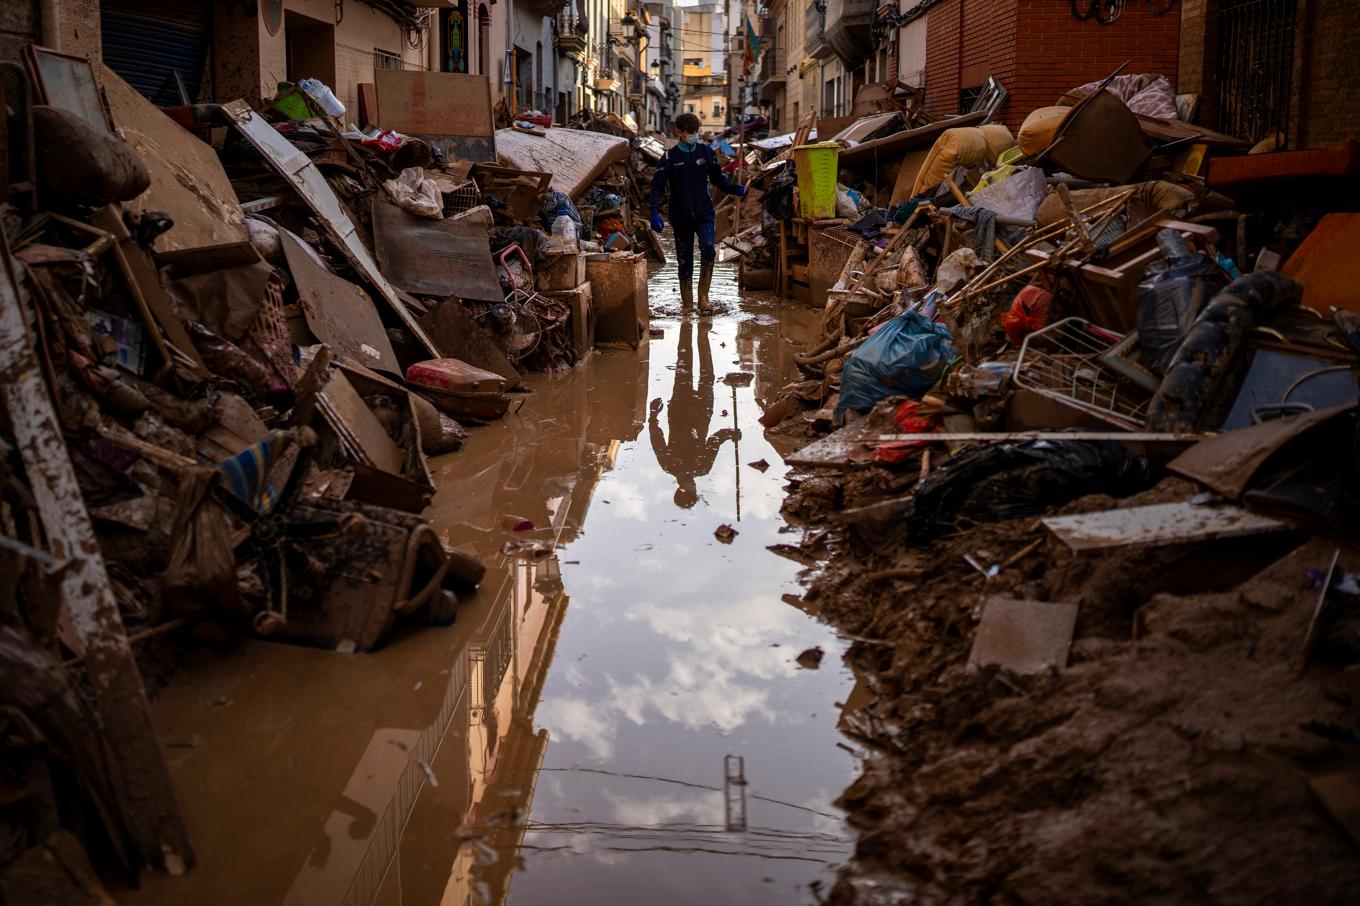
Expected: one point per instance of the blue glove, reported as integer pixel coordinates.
(657, 223)
(741, 191)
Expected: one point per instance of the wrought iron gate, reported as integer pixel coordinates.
(1255, 66)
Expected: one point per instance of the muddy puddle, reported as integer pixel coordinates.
(616, 718)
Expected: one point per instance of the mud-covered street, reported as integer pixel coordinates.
(657, 453)
(570, 729)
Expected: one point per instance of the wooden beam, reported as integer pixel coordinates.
(87, 597)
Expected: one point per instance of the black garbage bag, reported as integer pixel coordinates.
(871, 225)
(777, 200)
(1014, 480)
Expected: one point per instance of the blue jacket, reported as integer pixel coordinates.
(688, 174)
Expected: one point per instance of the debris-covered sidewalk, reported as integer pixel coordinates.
(230, 337)
(1079, 443)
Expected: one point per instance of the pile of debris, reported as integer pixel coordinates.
(1082, 424)
(229, 339)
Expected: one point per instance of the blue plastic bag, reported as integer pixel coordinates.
(904, 357)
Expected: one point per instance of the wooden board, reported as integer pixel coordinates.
(307, 180)
(434, 103)
(339, 314)
(434, 257)
(842, 447)
(87, 598)
(187, 179)
(462, 337)
(1227, 462)
(1157, 525)
(1340, 795)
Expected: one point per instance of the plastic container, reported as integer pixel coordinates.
(322, 94)
(564, 231)
(816, 166)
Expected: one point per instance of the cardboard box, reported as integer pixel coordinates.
(562, 272)
(619, 292)
(580, 301)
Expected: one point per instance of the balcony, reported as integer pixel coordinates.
(571, 32)
(815, 44)
(772, 67)
(847, 29)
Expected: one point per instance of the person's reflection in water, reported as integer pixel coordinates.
(687, 451)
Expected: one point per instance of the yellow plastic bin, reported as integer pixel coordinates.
(817, 166)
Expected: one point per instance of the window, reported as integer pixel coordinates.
(968, 97)
(694, 61)
(385, 59)
(717, 109)
(689, 108)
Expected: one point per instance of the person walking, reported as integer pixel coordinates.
(687, 170)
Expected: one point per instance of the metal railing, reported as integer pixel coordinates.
(1255, 67)
(814, 27)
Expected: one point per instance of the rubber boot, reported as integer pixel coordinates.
(705, 278)
(686, 293)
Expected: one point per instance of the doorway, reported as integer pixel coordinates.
(310, 48)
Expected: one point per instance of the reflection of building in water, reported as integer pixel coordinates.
(461, 802)
(455, 842)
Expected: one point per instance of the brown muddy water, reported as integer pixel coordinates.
(567, 740)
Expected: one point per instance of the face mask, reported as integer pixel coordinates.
(690, 139)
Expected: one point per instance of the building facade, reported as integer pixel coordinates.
(703, 57)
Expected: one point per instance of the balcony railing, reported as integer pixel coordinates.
(814, 31)
(772, 65)
(571, 31)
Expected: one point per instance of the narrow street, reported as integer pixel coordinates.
(576, 718)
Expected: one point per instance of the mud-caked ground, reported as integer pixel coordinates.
(1168, 762)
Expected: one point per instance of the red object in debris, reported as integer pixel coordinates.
(909, 420)
(459, 389)
(1028, 313)
(538, 119)
(1233, 174)
(386, 141)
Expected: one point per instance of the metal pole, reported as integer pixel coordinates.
(736, 450)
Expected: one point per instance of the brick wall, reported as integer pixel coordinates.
(1327, 50)
(1038, 50)
(1056, 52)
(965, 43)
(18, 26)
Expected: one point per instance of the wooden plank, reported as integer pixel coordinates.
(434, 257)
(87, 596)
(434, 103)
(837, 447)
(1227, 462)
(1158, 525)
(187, 179)
(339, 313)
(359, 425)
(303, 175)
